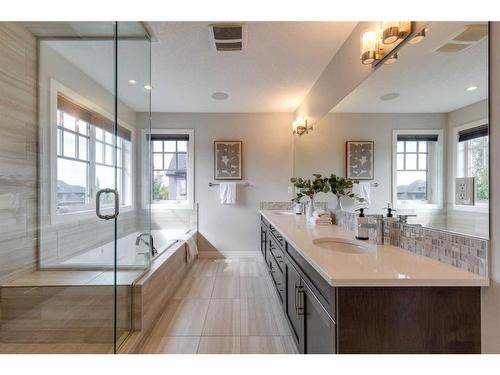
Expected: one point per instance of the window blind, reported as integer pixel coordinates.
(473, 133)
(68, 106)
(168, 137)
(418, 137)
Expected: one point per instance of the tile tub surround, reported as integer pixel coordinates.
(465, 252)
(384, 265)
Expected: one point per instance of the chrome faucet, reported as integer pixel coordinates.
(149, 244)
(378, 225)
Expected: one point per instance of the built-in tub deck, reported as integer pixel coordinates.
(33, 302)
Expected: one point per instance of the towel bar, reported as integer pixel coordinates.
(238, 183)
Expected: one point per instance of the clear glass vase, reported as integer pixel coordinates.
(310, 208)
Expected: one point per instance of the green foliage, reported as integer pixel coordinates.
(160, 192)
(309, 187)
(341, 187)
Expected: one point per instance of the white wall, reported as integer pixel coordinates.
(267, 165)
(490, 298)
(323, 150)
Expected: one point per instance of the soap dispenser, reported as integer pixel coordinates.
(361, 233)
(389, 210)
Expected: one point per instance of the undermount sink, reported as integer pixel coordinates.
(283, 213)
(342, 245)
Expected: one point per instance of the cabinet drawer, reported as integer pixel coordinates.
(277, 277)
(280, 241)
(323, 291)
(277, 253)
(264, 221)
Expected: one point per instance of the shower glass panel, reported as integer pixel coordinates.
(69, 286)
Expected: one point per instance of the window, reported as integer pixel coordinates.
(417, 160)
(172, 167)
(87, 156)
(472, 159)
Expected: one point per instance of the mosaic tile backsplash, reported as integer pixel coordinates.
(466, 252)
(287, 206)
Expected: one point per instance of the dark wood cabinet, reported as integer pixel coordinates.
(319, 328)
(325, 319)
(295, 318)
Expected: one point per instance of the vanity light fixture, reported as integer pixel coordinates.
(369, 47)
(418, 37)
(148, 87)
(132, 81)
(472, 88)
(379, 42)
(391, 59)
(300, 126)
(392, 31)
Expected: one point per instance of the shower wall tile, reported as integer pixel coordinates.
(18, 150)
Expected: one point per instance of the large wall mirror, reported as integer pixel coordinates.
(427, 116)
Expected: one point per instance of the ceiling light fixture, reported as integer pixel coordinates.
(220, 96)
(300, 126)
(390, 96)
(472, 88)
(132, 81)
(419, 37)
(148, 87)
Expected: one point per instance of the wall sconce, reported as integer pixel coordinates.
(378, 43)
(300, 126)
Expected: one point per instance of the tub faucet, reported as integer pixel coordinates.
(378, 225)
(149, 244)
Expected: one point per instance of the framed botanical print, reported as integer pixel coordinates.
(228, 160)
(359, 160)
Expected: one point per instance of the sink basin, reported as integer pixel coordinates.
(342, 245)
(283, 213)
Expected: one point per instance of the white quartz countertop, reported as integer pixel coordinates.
(384, 265)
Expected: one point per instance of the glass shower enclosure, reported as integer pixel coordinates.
(90, 226)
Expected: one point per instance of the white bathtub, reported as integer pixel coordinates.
(128, 254)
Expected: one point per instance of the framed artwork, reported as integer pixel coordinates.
(359, 160)
(228, 160)
(464, 191)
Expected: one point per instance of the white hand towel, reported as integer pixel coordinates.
(321, 213)
(362, 189)
(227, 193)
(191, 249)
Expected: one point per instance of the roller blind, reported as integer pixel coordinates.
(418, 137)
(92, 117)
(168, 137)
(472, 133)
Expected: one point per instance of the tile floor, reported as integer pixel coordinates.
(223, 306)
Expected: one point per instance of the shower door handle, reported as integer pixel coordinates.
(98, 204)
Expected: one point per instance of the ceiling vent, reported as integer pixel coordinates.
(472, 34)
(227, 37)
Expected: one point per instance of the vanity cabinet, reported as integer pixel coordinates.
(373, 319)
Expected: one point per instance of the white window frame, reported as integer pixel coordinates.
(437, 180)
(147, 169)
(478, 207)
(88, 211)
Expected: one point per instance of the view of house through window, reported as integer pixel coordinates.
(414, 175)
(170, 156)
(86, 159)
(473, 159)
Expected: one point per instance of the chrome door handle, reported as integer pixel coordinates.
(98, 204)
(299, 310)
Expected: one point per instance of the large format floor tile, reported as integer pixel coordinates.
(224, 306)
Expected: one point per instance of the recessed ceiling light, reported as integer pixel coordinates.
(132, 81)
(390, 96)
(418, 37)
(220, 96)
(148, 87)
(472, 88)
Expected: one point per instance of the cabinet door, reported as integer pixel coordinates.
(320, 330)
(263, 240)
(293, 284)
